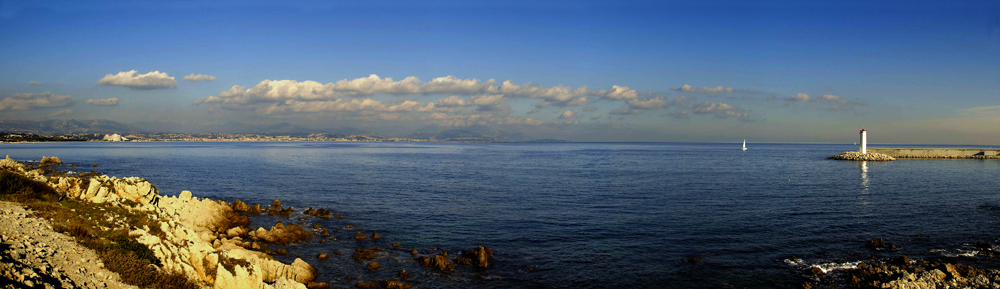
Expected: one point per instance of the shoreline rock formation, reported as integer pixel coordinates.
(187, 239)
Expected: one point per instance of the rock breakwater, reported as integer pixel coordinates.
(858, 156)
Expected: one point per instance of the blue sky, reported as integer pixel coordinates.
(908, 71)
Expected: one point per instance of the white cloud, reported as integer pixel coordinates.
(567, 114)
(103, 102)
(655, 102)
(130, 79)
(199, 77)
(721, 110)
(831, 98)
(983, 108)
(717, 89)
(618, 93)
(801, 97)
(29, 101)
(35, 82)
(355, 105)
(61, 112)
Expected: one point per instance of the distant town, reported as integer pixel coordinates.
(141, 137)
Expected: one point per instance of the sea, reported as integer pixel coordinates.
(582, 215)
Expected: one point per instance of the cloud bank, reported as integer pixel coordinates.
(717, 89)
(31, 101)
(103, 102)
(133, 80)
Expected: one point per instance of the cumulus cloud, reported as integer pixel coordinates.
(831, 98)
(30, 101)
(801, 97)
(655, 102)
(103, 102)
(618, 93)
(133, 80)
(567, 114)
(721, 110)
(61, 112)
(35, 82)
(199, 77)
(717, 89)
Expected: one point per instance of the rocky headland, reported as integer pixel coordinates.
(182, 241)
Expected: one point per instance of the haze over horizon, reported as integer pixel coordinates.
(923, 72)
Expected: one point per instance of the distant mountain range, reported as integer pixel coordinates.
(59, 126)
(474, 133)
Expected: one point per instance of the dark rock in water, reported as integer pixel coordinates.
(276, 205)
(376, 248)
(876, 244)
(441, 263)
(480, 256)
(240, 206)
(413, 251)
(302, 218)
(375, 236)
(360, 236)
(323, 213)
(816, 271)
(281, 252)
(373, 266)
(390, 284)
(403, 274)
(901, 261)
(984, 246)
(324, 233)
(692, 260)
(336, 253)
(339, 216)
(316, 226)
(309, 211)
(396, 245)
(362, 254)
(322, 256)
(363, 285)
(463, 261)
(424, 261)
(320, 285)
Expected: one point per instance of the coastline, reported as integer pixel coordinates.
(211, 243)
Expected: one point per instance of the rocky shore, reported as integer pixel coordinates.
(858, 156)
(902, 272)
(207, 242)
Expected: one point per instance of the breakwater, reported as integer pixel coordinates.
(938, 153)
(890, 154)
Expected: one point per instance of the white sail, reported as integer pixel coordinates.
(744, 144)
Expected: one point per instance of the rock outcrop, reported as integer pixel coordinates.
(187, 239)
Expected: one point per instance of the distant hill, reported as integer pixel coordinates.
(60, 126)
(474, 133)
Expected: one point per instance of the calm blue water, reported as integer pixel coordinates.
(585, 215)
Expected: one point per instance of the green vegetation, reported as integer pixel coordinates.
(101, 227)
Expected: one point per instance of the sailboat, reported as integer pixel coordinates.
(744, 144)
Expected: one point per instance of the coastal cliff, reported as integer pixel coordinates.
(183, 232)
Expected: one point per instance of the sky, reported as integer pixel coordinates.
(922, 72)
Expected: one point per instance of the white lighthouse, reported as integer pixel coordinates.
(864, 141)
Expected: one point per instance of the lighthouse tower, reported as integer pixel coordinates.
(864, 141)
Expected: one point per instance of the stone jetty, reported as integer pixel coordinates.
(858, 156)
(186, 239)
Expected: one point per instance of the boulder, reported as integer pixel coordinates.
(480, 256)
(362, 254)
(373, 266)
(359, 236)
(50, 161)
